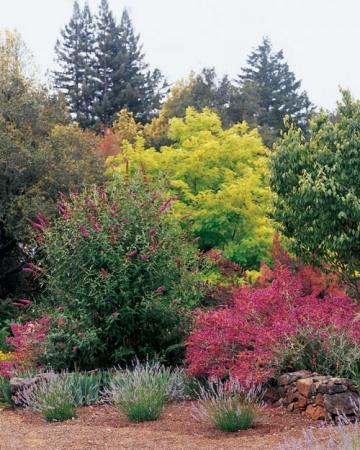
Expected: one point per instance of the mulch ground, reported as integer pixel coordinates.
(102, 427)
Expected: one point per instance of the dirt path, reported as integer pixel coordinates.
(101, 427)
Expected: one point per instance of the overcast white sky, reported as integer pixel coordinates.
(320, 38)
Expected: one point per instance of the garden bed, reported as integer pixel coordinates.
(101, 427)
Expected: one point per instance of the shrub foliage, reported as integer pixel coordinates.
(245, 339)
(120, 275)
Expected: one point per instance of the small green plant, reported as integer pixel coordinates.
(141, 392)
(85, 387)
(52, 397)
(57, 406)
(226, 405)
(5, 390)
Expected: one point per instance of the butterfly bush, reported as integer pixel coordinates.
(121, 278)
(244, 340)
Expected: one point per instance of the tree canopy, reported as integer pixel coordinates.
(317, 186)
(221, 179)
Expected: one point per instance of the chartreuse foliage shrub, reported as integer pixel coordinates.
(221, 178)
(317, 185)
(288, 321)
(121, 277)
(142, 391)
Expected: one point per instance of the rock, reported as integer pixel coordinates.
(272, 395)
(315, 412)
(300, 403)
(319, 399)
(306, 387)
(19, 384)
(291, 377)
(347, 403)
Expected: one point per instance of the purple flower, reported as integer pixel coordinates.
(84, 231)
(160, 289)
(96, 227)
(132, 253)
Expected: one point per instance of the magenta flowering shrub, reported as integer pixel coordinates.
(250, 339)
(26, 344)
(120, 275)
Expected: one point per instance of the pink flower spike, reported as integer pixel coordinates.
(75, 349)
(160, 289)
(152, 232)
(132, 253)
(144, 257)
(114, 314)
(96, 227)
(84, 231)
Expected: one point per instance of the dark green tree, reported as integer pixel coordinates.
(136, 88)
(268, 91)
(106, 55)
(75, 57)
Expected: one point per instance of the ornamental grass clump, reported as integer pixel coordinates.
(52, 397)
(141, 392)
(227, 406)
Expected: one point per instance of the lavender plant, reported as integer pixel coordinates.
(226, 405)
(142, 391)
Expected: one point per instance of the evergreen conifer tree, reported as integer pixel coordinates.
(272, 90)
(75, 54)
(106, 55)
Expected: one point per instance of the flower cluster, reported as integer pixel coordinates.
(26, 343)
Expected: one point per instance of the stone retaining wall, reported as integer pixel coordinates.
(317, 396)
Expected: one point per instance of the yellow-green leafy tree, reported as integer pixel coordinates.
(221, 179)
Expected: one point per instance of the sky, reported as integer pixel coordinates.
(320, 38)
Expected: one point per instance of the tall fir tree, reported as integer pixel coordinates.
(136, 87)
(106, 55)
(269, 91)
(75, 57)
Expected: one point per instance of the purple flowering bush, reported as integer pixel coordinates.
(121, 277)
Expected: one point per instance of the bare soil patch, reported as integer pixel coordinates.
(102, 427)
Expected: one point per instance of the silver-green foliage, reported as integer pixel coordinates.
(142, 391)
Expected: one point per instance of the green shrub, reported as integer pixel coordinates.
(5, 390)
(337, 355)
(122, 275)
(141, 392)
(226, 406)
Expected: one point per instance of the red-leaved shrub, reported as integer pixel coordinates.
(244, 339)
(26, 345)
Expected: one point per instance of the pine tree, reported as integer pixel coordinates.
(273, 90)
(107, 50)
(135, 87)
(75, 77)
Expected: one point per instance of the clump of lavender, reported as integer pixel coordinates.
(52, 397)
(227, 405)
(344, 437)
(141, 392)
